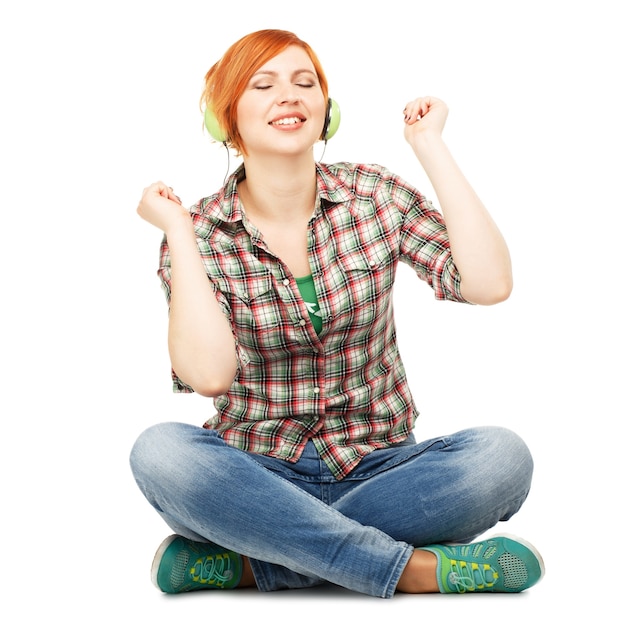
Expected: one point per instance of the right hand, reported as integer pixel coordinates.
(161, 207)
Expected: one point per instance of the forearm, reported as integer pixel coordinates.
(478, 248)
(200, 340)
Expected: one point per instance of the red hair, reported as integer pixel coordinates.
(226, 81)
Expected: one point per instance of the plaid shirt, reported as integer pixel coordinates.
(345, 389)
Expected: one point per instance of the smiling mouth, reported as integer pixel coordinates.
(287, 121)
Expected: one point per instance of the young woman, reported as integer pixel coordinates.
(280, 298)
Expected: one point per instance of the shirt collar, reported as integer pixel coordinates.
(330, 188)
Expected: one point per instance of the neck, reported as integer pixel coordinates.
(279, 188)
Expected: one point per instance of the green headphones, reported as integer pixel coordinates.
(331, 123)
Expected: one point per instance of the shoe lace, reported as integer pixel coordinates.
(471, 576)
(212, 570)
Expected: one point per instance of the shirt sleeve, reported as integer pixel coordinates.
(424, 242)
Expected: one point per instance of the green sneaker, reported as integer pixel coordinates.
(184, 565)
(499, 564)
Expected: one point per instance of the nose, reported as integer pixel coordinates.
(288, 93)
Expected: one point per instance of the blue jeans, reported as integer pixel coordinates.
(300, 527)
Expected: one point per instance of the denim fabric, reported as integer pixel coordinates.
(300, 526)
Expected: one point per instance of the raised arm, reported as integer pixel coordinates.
(201, 343)
(478, 248)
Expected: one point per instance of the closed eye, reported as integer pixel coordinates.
(303, 85)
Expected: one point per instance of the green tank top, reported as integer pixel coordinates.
(307, 291)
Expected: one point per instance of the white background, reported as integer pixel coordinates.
(101, 98)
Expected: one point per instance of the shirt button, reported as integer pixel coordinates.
(316, 390)
(286, 282)
(302, 322)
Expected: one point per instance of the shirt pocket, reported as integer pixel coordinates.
(254, 308)
(367, 282)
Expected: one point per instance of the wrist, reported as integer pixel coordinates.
(180, 227)
(432, 153)
(426, 140)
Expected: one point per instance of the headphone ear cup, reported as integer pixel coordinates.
(213, 126)
(333, 117)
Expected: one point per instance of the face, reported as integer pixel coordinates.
(282, 108)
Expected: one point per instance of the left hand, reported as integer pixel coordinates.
(425, 115)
